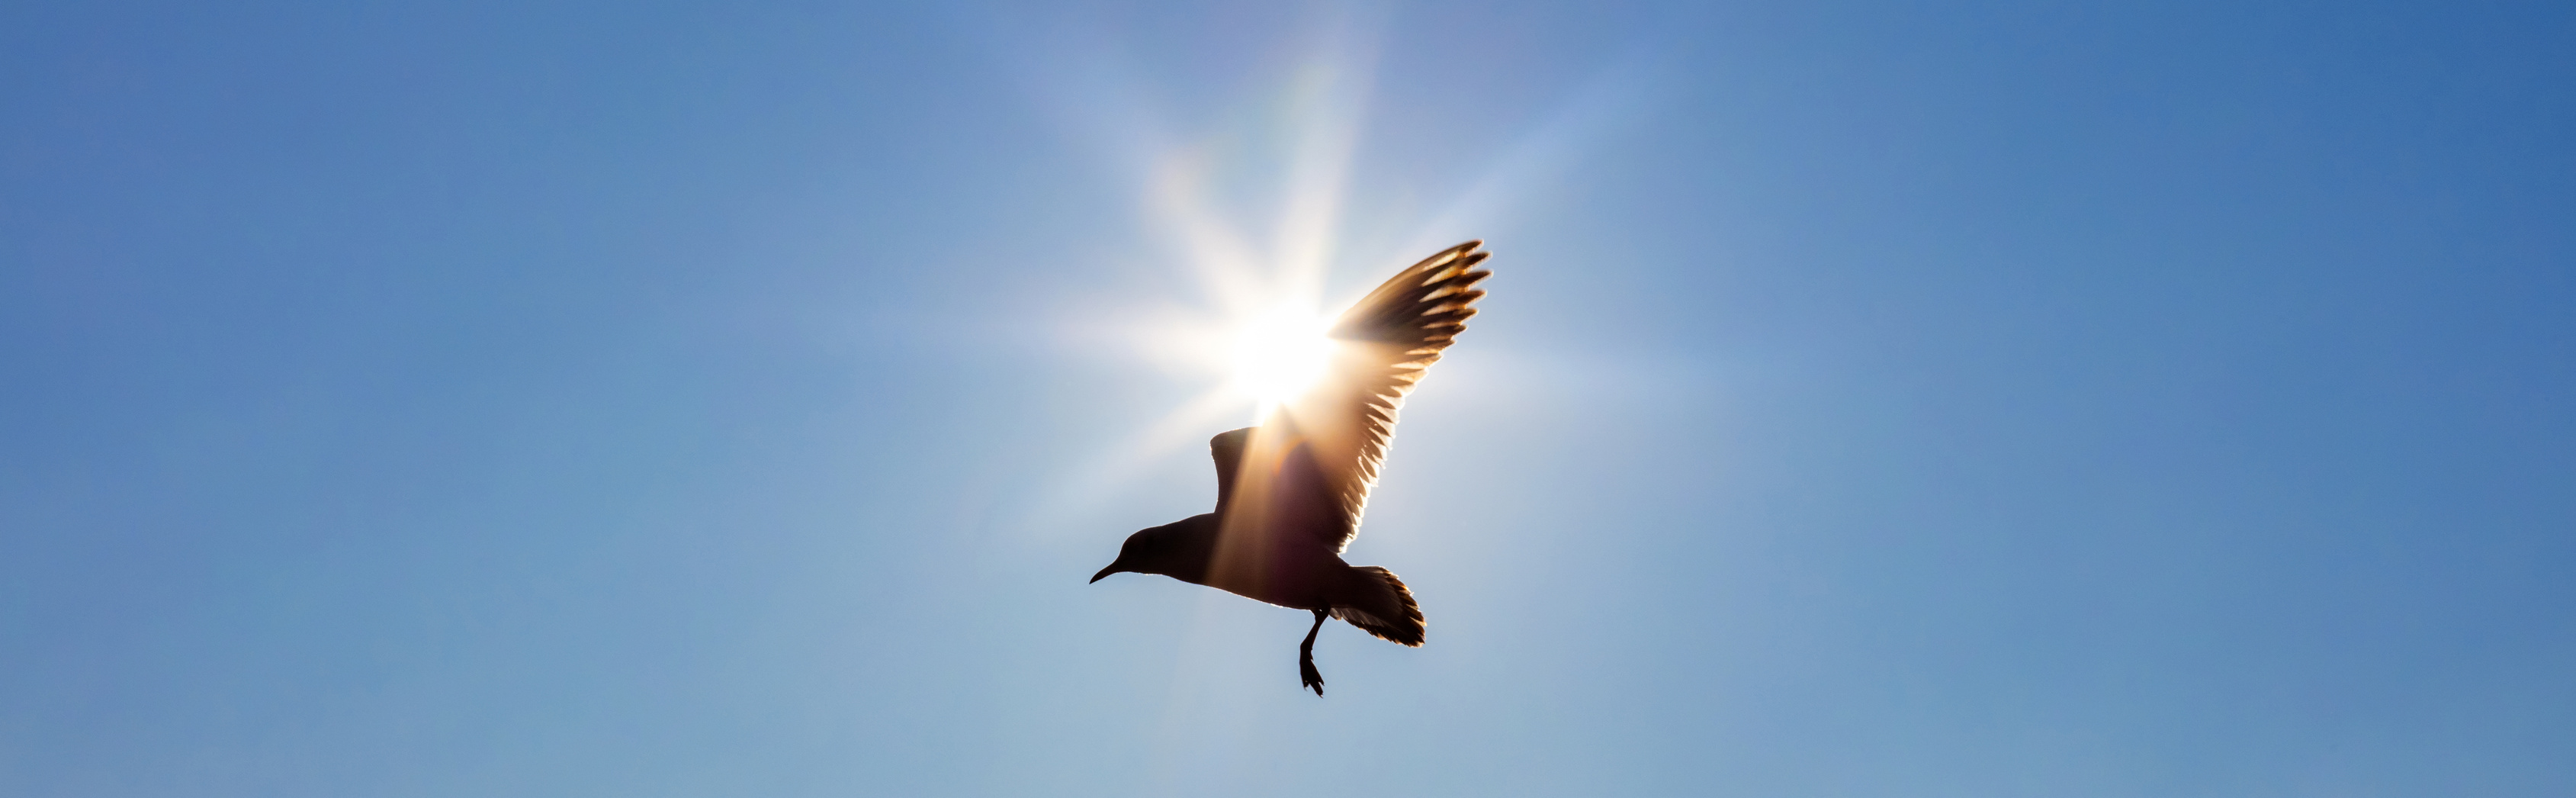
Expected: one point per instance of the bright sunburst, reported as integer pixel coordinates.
(1279, 353)
(1256, 334)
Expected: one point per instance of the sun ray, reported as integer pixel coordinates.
(1326, 104)
(1226, 264)
(1184, 426)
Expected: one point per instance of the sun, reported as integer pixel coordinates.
(1279, 354)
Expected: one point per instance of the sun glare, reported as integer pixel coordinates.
(1279, 354)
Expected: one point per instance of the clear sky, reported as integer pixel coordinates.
(717, 399)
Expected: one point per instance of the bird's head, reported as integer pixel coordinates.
(1178, 549)
(1131, 557)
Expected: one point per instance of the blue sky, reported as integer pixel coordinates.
(731, 399)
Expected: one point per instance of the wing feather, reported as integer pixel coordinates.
(1386, 343)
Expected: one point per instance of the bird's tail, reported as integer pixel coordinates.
(1379, 603)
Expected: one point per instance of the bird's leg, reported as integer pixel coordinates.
(1306, 655)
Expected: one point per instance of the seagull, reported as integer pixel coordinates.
(1290, 492)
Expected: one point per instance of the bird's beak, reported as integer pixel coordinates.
(1105, 572)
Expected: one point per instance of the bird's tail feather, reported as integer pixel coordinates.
(1381, 605)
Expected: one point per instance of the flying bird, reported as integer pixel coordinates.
(1290, 492)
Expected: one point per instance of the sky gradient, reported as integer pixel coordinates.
(1873, 399)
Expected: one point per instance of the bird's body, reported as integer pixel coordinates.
(1290, 570)
(1294, 575)
(1290, 492)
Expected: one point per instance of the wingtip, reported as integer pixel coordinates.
(1471, 252)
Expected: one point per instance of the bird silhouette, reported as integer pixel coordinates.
(1290, 492)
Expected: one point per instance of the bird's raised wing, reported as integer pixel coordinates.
(1227, 448)
(1383, 344)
